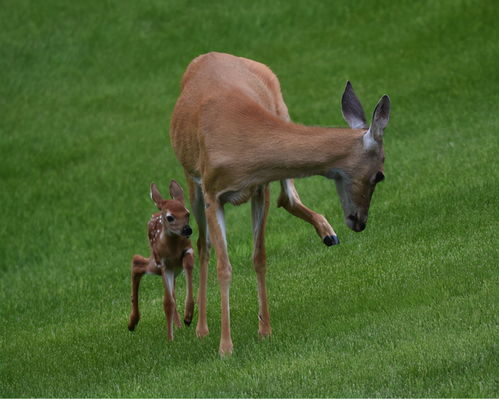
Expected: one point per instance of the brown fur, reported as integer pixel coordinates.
(231, 130)
(170, 253)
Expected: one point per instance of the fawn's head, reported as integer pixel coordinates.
(356, 181)
(173, 211)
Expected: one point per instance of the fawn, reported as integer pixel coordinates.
(171, 252)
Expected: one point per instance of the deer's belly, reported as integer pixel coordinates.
(237, 197)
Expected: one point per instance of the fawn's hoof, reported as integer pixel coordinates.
(132, 323)
(131, 326)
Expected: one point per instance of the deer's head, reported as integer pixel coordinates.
(356, 181)
(173, 211)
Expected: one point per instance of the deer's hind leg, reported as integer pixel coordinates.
(216, 226)
(140, 266)
(259, 212)
(290, 200)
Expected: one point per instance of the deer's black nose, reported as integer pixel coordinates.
(187, 231)
(357, 225)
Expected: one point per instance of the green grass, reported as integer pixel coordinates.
(406, 308)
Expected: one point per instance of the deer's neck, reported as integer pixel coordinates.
(269, 149)
(317, 150)
(291, 150)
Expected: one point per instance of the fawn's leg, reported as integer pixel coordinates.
(259, 212)
(140, 266)
(188, 265)
(216, 224)
(203, 245)
(169, 301)
(290, 200)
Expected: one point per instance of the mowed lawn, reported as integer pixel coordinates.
(406, 308)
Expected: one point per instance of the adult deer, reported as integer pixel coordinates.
(232, 133)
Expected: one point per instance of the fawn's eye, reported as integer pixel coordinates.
(170, 218)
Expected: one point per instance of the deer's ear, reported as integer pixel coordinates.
(176, 191)
(381, 116)
(156, 196)
(352, 110)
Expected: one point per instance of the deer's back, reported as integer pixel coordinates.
(211, 87)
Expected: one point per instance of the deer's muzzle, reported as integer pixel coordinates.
(355, 223)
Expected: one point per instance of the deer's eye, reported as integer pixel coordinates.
(170, 218)
(379, 177)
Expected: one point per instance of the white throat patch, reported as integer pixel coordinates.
(368, 141)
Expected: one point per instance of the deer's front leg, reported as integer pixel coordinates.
(169, 301)
(188, 265)
(290, 200)
(216, 224)
(259, 212)
(203, 245)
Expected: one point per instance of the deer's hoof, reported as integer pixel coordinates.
(331, 240)
(264, 332)
(225, 349)
(202, 332)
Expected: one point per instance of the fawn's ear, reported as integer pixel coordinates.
(156, 196)
(176, 191)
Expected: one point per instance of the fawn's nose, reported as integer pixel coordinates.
(186, 231)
